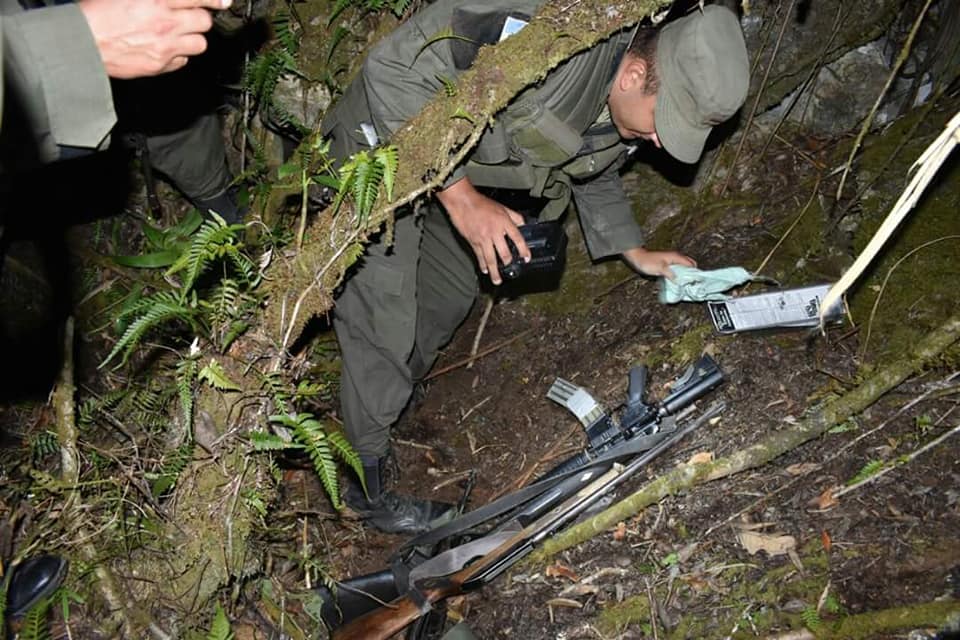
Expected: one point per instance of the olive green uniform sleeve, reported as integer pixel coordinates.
(412, 66)
(54, 72)
(606, 215)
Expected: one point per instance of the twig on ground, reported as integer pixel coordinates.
(800, 634)
(473, 408)
(653, 610)
(492, 300)
(415, 445)
(485, 352)
(933, 388)
(813, 196)
(894, 72)
(913, 455)
(457, 477)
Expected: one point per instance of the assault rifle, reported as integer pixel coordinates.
(617, 448)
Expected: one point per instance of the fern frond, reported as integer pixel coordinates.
(223, 299)
(811, 619)
(346, 452)
(204, 247)
(176, 461)
(158, 309)
(35, 622)
(449, 86)
(366, 186)
(400, 7)
(214, 374)
(348, 177)
(244, 266)
(284, 32)
(274, 385)
(388, 157)
(310, 433)
(220, 627)
(44, 444)
(254, 501)
(186, 374)
(262, 441)
(146, 401)
(871, 468)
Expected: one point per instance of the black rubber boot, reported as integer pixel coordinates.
(392, 512)
(33, 580)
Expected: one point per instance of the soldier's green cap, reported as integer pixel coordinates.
(704, 76)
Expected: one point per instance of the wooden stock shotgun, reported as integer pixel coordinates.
(385, 621)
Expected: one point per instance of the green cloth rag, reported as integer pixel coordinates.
(693, 285)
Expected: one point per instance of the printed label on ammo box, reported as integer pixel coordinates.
(786, 308)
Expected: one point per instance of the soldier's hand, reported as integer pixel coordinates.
(485, 224)
(656, 263)
(139, 38)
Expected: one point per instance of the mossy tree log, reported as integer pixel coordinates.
(776, 444)
(861, 626)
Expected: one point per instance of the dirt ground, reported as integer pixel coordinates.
(889, 543)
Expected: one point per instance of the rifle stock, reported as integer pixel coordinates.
(388, 620)
(385, 621)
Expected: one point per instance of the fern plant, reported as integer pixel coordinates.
(42, 445)
(263, 73)
(397, 7)
(811, 619)
(35, 625)
(214, 243)
(361, 178)
(871, 468)
(321, 444)
(220, 627)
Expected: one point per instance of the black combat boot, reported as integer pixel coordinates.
(227, 205)
(392, 512)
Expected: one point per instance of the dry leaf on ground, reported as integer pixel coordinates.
(562, 571)
(620, 532)
(773, 544)
(803, 467)
(702, 457)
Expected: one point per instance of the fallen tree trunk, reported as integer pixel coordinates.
(690, 475)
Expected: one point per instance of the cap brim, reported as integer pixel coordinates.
(682, 139)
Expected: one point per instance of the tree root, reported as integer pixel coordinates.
(689, 475)
(67, 435)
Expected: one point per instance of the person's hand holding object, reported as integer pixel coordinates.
(139, 38)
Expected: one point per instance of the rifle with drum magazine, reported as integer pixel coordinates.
(618, 446)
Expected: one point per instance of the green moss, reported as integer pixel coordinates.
(739, 584)
(911, 282)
